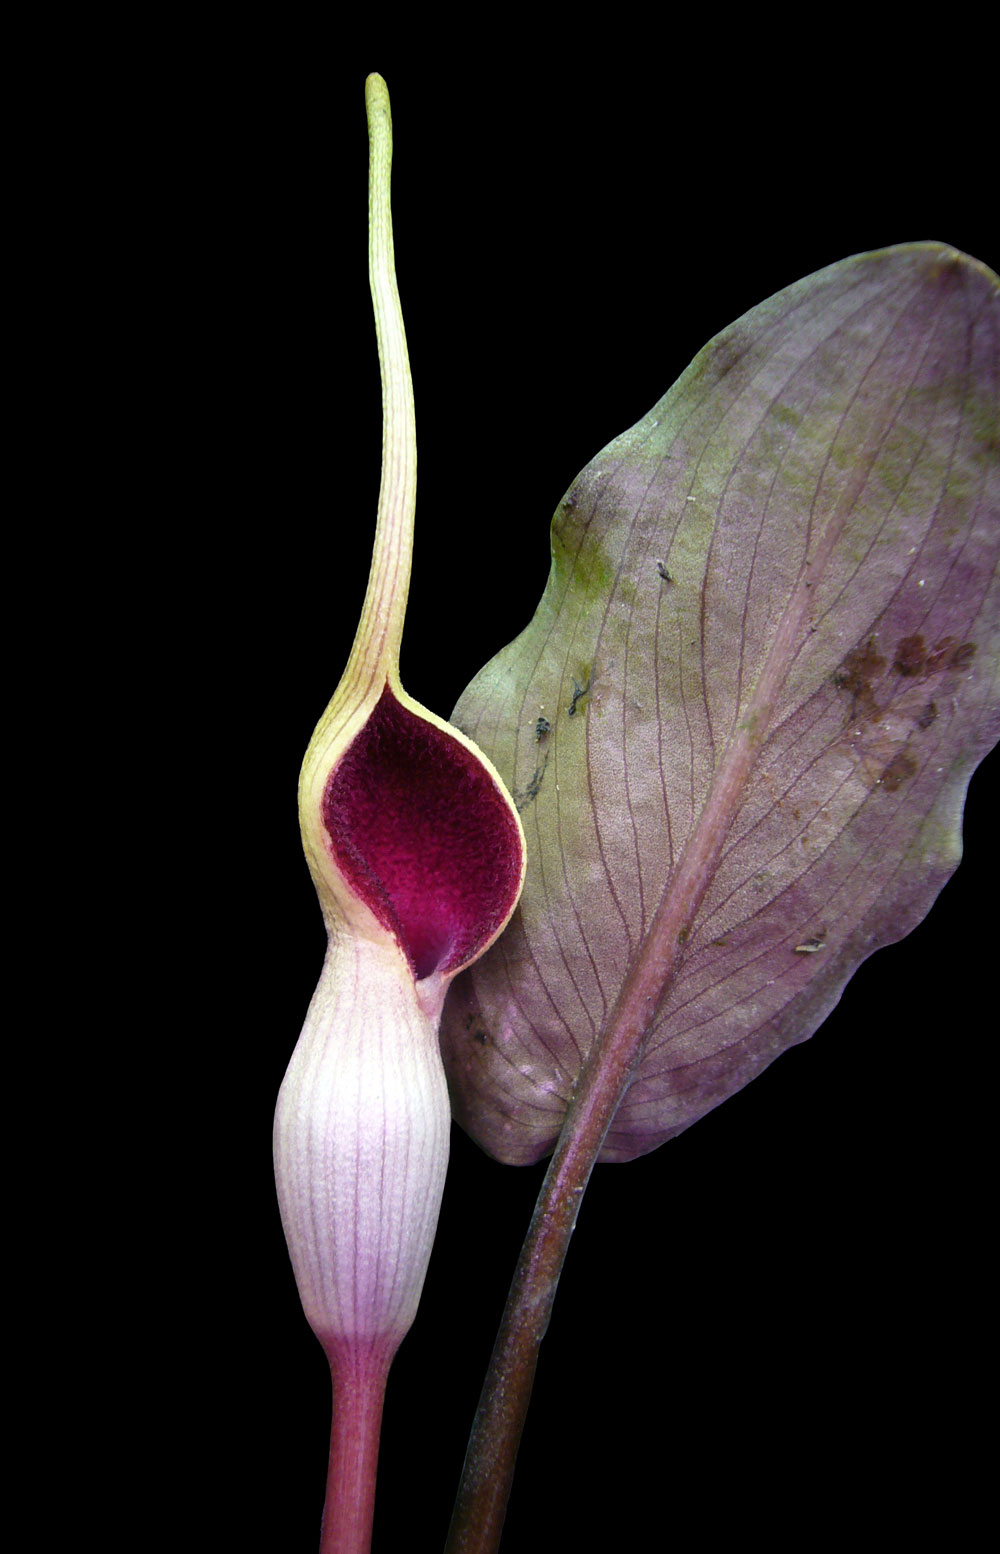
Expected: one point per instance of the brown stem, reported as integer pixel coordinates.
(481, 1505)
(359, 1375)
(496, 1433)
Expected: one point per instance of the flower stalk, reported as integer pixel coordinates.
(417, 856)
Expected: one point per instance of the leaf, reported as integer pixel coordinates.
(740, 727)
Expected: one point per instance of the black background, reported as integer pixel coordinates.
(773, 1325)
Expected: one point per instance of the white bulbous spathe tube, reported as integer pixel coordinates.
(361, 1145)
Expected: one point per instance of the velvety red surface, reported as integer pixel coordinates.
(423, 835)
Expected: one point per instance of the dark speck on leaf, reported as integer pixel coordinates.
(663, 572)
(479, 1036)
(579, 691)
(531, 792)
(927, 715)
(542, 727)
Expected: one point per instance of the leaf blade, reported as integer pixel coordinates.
(821, 483)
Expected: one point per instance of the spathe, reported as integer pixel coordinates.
(417, 856)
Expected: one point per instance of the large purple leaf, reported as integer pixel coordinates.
(761, 674)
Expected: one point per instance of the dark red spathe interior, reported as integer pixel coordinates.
(423, 836)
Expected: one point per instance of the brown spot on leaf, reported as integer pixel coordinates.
(911, 655)
(902, 766)
(885, 711)
(855, 676)
(949, 654)
(941, 655)
(859, 667)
